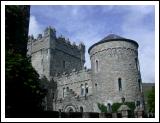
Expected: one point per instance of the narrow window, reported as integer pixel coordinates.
(96, 86)
(48, 51)
(86, 88)
(42, 61)
(41, 51)
(81, 109)
(82, 90)
(119, 84)
(45, 100)
(137, 64)
(53, 95)
(64, 64)
(97, 66)
(64, 92)
(67, 90)
(139, 84)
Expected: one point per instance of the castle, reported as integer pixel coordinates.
(114, 73)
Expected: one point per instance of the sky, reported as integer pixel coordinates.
(91, 23)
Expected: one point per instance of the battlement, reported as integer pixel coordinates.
(49, 40)
(70, 44)
(83, 74)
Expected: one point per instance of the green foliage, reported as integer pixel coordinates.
(22, 87)
(151, 100)
(23, 92)
(131, 105)
(102, 107)
(116, 106)
(16, 28)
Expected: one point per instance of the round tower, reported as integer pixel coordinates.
(115, 70)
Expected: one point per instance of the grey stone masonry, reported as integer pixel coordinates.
(114, 73)
(51, 54)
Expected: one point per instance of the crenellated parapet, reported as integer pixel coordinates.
(78, 75)
(49, 40)
(63, 42)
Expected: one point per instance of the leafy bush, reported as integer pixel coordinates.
(102, 107)
(151, 100)
(116, 106)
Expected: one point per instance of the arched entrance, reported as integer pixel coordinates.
(70, 109)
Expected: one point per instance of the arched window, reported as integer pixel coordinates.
(81, 109)
(82, 90)
(86, 88)
(97, 66)
(119, 84)
(109, 107)
(67, 90)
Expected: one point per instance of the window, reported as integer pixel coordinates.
(81, 109)
(96, 86)
(97, 66)
(137, 64)
(67, 90)
(138, 103)
(64, 64)
(41, 51)
(64, 91)
(53, 95)
(139, 84)
(48, 51)
(109, 107)
(86, 88)
(82, 90)
(119, 84)
(42, 61)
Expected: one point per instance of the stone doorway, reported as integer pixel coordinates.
(70, 109)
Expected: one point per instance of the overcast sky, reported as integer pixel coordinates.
(90, 24)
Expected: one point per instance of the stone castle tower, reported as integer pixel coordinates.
(51, 55)
(115, 69)
(114, 73)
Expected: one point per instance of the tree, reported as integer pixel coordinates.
(151, 100)
(23, 92)
(16, 28)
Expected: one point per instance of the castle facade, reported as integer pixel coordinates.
(114, 73)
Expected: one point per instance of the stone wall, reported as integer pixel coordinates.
(51, 55)
(73, 96)
(116, 59)
(115, 72)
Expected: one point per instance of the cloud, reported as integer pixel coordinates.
(92, 23)
(135, 27)
(34, 27)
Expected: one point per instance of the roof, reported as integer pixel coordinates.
(112, 37)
